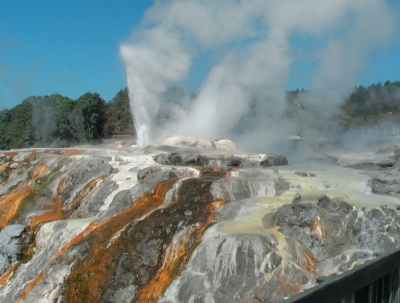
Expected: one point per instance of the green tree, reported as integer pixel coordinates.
(86, 121)
(15, 127)
(118, 115)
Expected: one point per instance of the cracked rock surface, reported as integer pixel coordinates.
(187, 221)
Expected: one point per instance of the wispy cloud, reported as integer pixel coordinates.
(66, 78)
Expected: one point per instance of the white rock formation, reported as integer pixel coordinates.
(191, 142)
(225, 145)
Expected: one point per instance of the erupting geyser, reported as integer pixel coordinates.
(254, 46)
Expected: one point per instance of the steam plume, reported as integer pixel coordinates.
(252, 43)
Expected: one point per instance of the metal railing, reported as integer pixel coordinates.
(376, 280)
(378, 131)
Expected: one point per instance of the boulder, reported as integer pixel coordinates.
(396, 153)
(21, 156)
(181, 159)
(14, 165)
(224, 145)
(10, 245)
(385, 185)
(145, 172)
(296, 198)
(148, 184)
(191, 142)
(267, 160)
(4, 170)
(336, 232)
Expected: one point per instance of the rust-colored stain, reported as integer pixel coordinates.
(217, 204)
(85, 281)
(10, 202)
(75, 240)
(173, 264)
(214, 171)
(30, 286)
(316, 229)
(54, 213)
(309, 262)
(285, 286)
(70, 152)
(32, 156)
(109, 239)
(176, 260)
(39, 171)
(3, 166)
(5, 276)
(85, 191)
(60, 186)
(41, 168)
(4, 170)
(11, 154)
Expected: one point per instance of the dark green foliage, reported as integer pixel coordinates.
(86, 120)
(369, 105)
(60, 121)
(118, 115)
(15, 126)
(49, 119)
(373, 100)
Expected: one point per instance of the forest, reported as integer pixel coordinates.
(59, 121)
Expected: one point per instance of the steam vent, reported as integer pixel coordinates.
(188, 221)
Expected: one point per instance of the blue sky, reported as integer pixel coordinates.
(66, 47)
(71, 47)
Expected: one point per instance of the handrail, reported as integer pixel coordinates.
(380, 132)
(376, 280)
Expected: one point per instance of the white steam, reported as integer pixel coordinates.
(251, 40)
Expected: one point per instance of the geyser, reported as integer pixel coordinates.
(254, 45)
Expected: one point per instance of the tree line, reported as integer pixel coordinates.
(60, 121)
(364, 107)
(371, 105)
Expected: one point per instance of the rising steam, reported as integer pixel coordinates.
(252, 41)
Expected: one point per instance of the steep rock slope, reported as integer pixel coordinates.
(172, 224)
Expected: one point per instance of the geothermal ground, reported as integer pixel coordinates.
(188, 221)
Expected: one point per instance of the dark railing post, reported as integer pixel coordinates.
(373, 292)
(394, 295)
